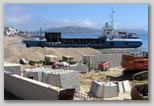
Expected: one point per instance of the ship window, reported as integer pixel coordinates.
(108, 32)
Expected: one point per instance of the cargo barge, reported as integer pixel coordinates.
(109, 39)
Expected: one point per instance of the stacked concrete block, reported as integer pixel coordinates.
(33, 74)
(13, 68)
(67, 58)
(53, 79)
(29, 89)
(61, 78)
(51, 58)
(79, 68)
(66, 80)
(114, 59)
(44, 76)
(104, 89)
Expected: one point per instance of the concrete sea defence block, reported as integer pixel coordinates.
(104, 89)
(97, 89)
(67, 58)
(65, 80)
(53, 79)
(96, 59)
(33, 74)
(110, 90)
(120, 87)
(13, 68)
(51, 58)
(44, 76)
(79, 68)
(29, 89)
(9, 86)
(126, 86)
(70, 80)
(23, 61)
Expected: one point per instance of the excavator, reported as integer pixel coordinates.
(138, 65)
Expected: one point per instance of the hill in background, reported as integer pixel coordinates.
(85, 30)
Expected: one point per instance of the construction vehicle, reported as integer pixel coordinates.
(104, 65)
(139, 92)
(138, 64)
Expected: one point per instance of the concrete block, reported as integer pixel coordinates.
(97, 89)
(29, 89)
(67, 58)
(13, 68)
(70, 80)
(110, 90)
(51, 58)
(96, 59)
(120, 87)
(79, 68)
(25, 72)
(33, 74)
(44, 76)
(23, 61)
(103, 89)
(126, 86)
(65, 80)
(53, 79)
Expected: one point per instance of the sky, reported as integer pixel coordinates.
(30, 17)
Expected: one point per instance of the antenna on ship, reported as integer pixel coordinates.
(112, 16)
(40, 24)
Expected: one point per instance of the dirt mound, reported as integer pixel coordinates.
(11, 40)
(14, 54)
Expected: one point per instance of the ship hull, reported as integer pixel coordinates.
(105, 44)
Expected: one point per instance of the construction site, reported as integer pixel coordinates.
(73, 74)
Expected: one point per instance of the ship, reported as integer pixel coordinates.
(110, 38)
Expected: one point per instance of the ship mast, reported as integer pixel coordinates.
(112, 17)
(40, 25)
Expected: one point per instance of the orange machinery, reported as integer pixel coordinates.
(136, 63)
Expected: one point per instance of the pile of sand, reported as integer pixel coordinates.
(11, 40)
(14, 54)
